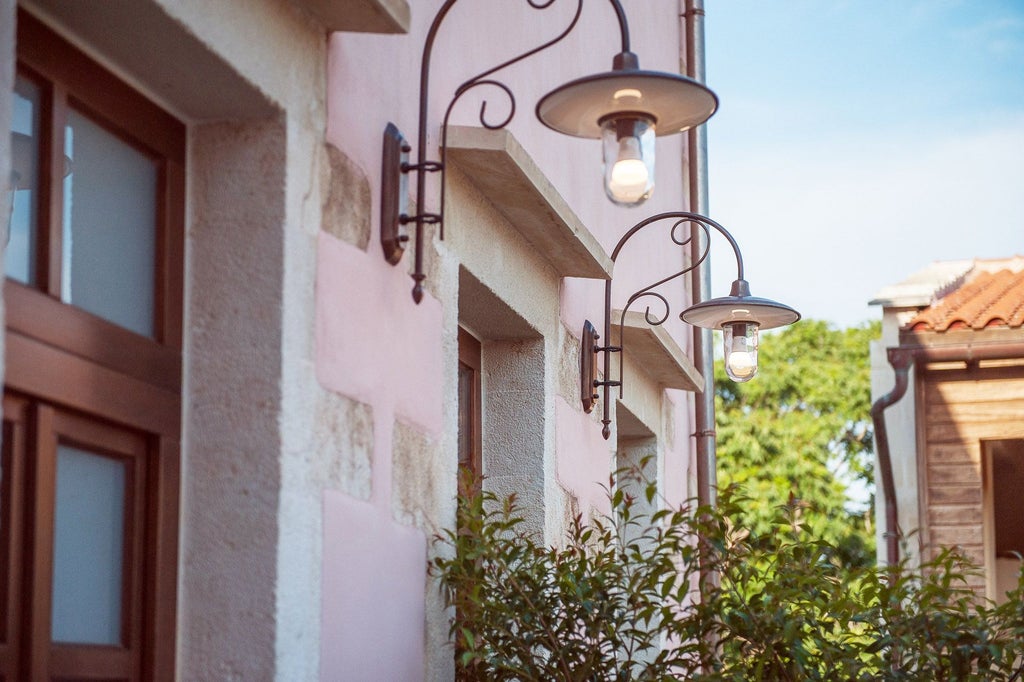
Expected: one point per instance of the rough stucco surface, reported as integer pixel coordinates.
(676, 440)
(231, 470)
(500, 258)
(424, 497)
(346, 211)
(279, 79)
(418, 475)
(640, 393)
(513, 447)
(568, 379)
(344, 444)
(639, 456)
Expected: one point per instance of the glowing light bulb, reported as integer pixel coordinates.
(741, 365)
(629, 177)
(740, 350)
(628, 159)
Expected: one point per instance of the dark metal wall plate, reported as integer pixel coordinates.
(588, 367)
(394, 194)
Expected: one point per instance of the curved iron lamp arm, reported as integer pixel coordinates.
(393, 236)
(738, 310)
(590, 382)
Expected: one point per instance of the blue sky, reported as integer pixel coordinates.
(856, 142)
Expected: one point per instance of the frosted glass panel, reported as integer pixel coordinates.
(109, 227)
(88, 548)
(20, 256)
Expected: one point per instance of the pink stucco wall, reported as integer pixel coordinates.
(581, 468)
(373, 344)
(375, 79)
(375, 347)
(373, 585)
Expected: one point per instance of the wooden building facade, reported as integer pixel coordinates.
(964, 483)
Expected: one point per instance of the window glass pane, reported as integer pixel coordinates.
(108, 257)
(20, 257)
(88, 547)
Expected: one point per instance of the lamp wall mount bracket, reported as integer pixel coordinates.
(764, 311)
(396, 167)
(579, 108)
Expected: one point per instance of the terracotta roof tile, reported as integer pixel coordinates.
(991, 296)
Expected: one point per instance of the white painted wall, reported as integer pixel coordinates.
(900, 420)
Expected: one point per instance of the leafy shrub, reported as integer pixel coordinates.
(624, 597)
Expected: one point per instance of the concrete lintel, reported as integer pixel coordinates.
(500, 168)
(658, 353)
(360, 16)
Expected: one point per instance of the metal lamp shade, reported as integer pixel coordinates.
(676, 103)
(718, 312)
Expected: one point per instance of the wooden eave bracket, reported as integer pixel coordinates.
(657, 353)
(499, 167)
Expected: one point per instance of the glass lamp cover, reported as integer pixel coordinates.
(628, 144)
(740, 351)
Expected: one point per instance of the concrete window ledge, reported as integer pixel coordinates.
(360, 16)
(495, 162)
(657, 352)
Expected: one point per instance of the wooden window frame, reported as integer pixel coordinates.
(68, 78)
(56, 427)
(470, 356)
(84, 376)
(12, 485)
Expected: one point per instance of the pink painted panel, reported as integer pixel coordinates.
(584, 457)
(372, 343)
(374, 580)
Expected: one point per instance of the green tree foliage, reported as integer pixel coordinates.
(783, 436)
(623, 598)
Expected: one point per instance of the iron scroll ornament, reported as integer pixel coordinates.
(739, 306)
(597, 106)
(393, 229)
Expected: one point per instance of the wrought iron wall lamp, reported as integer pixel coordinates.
(625, 107)
(739, 315)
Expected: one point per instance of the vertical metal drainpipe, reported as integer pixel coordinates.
(692, 13)
(900, 362)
